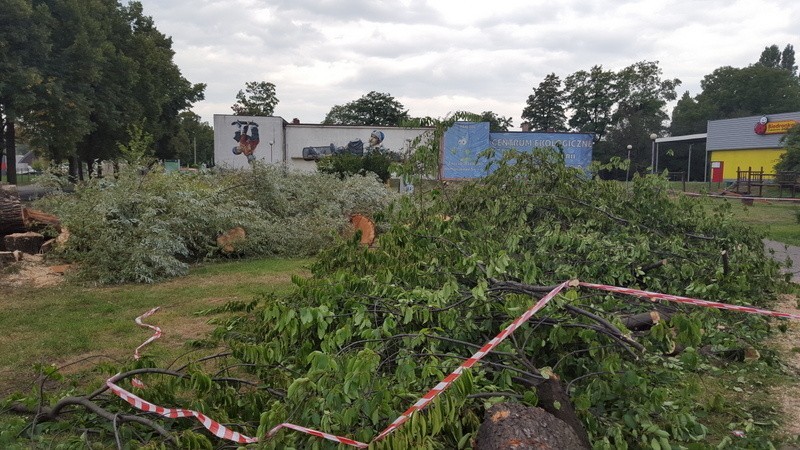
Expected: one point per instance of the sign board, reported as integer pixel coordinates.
(764, 126)
(464, 142)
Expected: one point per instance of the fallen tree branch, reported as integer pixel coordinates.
(51, 414)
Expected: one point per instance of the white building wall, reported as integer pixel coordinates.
(281, 142)
(299, 136)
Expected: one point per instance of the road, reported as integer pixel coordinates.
(782, 251)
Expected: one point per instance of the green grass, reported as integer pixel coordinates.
(63, 324)
(22, 179)
(778, 221)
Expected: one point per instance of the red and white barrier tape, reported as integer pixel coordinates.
(215, 428)
(690, 301)
(439, 388)
(224, 433)
(137, 382)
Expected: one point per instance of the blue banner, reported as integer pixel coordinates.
(463, 143)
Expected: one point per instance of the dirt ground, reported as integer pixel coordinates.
(788, 345)
(32, 271)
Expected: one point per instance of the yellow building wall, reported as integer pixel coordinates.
(744, 159)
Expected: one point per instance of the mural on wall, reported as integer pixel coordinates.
(247, 139)
(354, 147)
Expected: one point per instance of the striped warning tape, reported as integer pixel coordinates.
(224, 433)
(439, 388)
(690, 301)
(137, 382)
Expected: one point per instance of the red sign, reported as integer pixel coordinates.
(764, 126)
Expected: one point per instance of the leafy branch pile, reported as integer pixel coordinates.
(142, 228)
(355, 345)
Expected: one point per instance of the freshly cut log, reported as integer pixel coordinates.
(366, 226)
(231, 240)
(29, 242)
(642, 321)
(34, 217)
(519, 427)
(11, 220)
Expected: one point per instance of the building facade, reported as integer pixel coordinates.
(239, 140)
(745, 143)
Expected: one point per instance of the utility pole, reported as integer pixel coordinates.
(195, 150)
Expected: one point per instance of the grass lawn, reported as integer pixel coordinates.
(63, 324)
(778, 221)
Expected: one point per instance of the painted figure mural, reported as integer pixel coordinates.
(246, 137)
(354, 147)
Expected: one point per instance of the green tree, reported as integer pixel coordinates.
(788, 60)
(790, 160)
(729, 92)
(374, 108)
(193, 141)
(103, 67)
(770, 57)
(688, 117)
(257, 99)
(591, 97)
(497, 123)
(23, 51)
(545, 107)
(642, 95)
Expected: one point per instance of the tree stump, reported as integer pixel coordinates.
(29, 242)
(230, 240)
(11, 220)
(518, 427)
(366, 226)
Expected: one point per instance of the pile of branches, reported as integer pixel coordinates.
(352, 347)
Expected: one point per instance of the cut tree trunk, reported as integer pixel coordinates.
(643, 321)
(514, 426)
(554, 399)
(33, 218)
(29, 242)
(11, 220)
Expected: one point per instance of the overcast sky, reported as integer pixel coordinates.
(442, 56)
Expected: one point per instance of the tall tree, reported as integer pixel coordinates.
(257, 99)
(497, 123)
(591, 97)
(730, 92)
(688, 117)
(545, 107)
(788, 60)
(193, 141)
(790, 160)
(642, 97)
(770, 57)
(374, 108)
(104, 67)
(23, 51)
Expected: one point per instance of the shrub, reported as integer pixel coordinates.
(142, 228)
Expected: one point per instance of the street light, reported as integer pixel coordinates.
(653, 157)
(628, 172)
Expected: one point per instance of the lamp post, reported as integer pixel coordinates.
(628, 172)
(653, 157)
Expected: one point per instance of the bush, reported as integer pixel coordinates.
(142, 228)
(345, 165)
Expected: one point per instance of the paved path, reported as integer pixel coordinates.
(782, 251)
